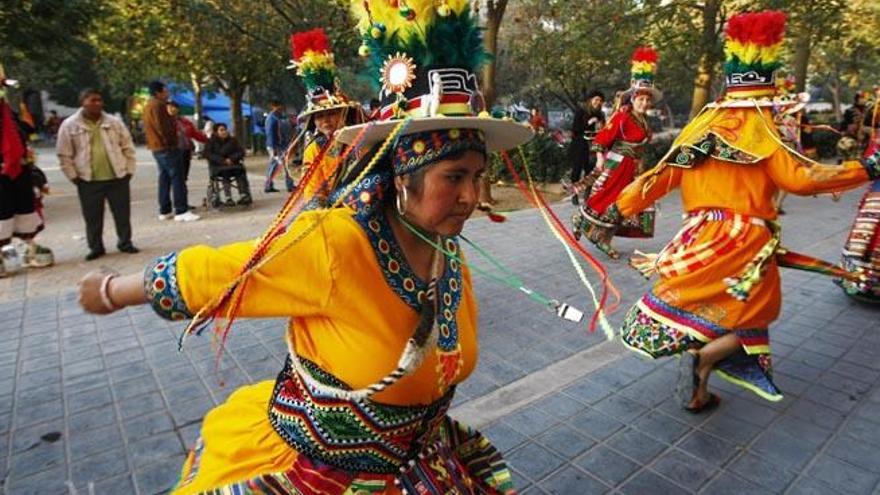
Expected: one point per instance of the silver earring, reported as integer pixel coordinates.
(401, 202)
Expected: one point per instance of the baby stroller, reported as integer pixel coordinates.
(226, 170)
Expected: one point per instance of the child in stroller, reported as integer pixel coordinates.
(225, 157)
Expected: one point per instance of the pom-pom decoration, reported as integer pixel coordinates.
(754, 41)
(313, 59)
(785, 85)
(644, 63)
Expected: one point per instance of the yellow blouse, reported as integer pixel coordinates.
(348, 313)
(324, 173)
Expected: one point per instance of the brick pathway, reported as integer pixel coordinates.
(109, 401)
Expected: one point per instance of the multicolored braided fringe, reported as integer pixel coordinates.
(223, 309)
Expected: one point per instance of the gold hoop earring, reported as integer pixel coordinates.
(401, 201)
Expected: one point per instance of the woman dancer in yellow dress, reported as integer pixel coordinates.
(382, 323)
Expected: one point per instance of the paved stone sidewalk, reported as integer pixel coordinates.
(618, 429)
(110, 401)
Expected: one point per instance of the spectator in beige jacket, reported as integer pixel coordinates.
(97, 154)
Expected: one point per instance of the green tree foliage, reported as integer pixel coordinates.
(43, 44)
(232, 45)
(848, 59)
(562, 50)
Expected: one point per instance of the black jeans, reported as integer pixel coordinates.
(226, 175)
(171, 181)
(186, 157)
(92, 196)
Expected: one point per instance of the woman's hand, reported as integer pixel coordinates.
(90, 293)
(120, 291)
(600, 161)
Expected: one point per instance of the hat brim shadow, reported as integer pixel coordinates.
(501, 134)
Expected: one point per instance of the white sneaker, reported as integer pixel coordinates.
(166, 216)
(186, 217)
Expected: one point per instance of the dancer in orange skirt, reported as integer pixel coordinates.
(719, 286)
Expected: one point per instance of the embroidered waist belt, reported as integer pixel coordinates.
(626, 148)
(720, 215)
(350, 435)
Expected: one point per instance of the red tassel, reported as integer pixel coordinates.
(762, 28)
(497, 217)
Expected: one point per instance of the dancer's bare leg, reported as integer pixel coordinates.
(710, 354)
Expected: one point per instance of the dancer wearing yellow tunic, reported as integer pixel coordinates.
(719, 282)
(382, 315)
(338, 329)
(327, 110)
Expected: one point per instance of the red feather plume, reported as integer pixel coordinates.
(761, 28)
(315, 40)
(645, 54)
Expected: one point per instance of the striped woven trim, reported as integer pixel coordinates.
(754, 341)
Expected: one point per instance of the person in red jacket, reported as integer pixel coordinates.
(620, 146)
(186, 134)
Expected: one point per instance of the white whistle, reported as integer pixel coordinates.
(569, 313)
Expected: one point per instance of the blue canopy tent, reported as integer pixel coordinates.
(216, 106)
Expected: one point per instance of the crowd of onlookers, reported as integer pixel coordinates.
(97, 154)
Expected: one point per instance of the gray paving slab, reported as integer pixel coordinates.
(110, 402)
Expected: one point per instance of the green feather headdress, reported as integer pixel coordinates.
(433, 34)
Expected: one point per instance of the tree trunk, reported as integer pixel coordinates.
(834, 89)
(801, 60)
(236, 95)
(706, 67)
(494, 14)
(493, 23)
(197, 97)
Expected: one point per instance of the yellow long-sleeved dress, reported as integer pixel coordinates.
(353, 303)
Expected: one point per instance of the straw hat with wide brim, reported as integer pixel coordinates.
(500, 134)
(656, 94)
(790, 103)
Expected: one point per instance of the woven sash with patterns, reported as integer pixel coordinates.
(361, 436)
(682, 255)
(629, 148)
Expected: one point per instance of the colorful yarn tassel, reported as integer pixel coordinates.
(644, 263)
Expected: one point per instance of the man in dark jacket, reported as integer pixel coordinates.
(161, 132)
(587, 121)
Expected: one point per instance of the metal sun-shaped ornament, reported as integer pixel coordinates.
(398, 73)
